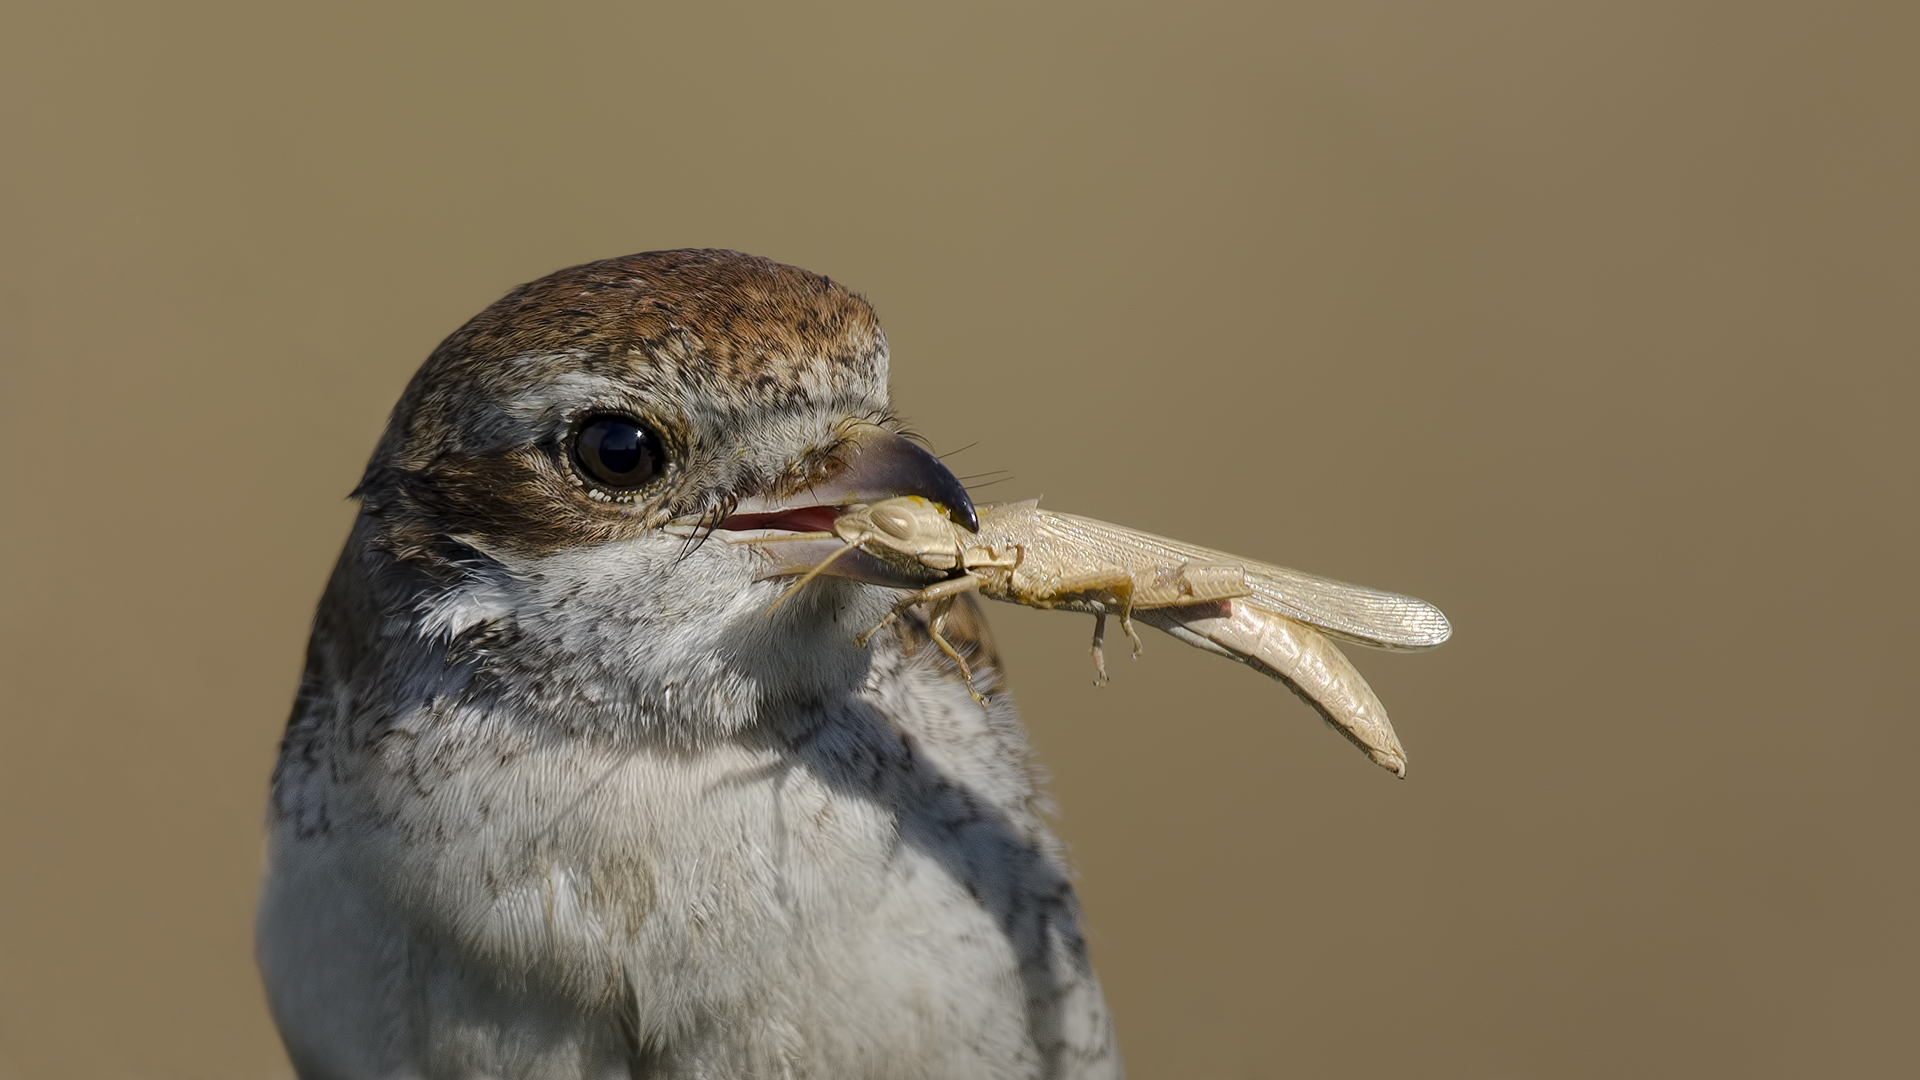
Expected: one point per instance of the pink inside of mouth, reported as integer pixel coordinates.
(798, 519)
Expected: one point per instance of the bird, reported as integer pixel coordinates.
(560, 797)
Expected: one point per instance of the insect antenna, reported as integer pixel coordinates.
(808, 576)
(784, 537)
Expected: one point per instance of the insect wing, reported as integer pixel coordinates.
(1368, 616)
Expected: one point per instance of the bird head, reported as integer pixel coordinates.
(546, 488)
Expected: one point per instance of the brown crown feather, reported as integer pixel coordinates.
(735, 330)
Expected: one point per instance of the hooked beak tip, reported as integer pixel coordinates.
(884, 465)
(963, 511)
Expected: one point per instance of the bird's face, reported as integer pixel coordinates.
(563, 488)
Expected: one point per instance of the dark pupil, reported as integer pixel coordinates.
(617, 452)
(620, 449)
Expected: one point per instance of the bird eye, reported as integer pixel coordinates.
(618, 452)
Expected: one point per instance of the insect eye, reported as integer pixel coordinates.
(618, 452)
(893, 521)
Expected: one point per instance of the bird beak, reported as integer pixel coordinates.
(878, 464)
(794, 533)
(883, 465)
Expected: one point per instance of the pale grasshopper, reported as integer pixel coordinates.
(1272, 619)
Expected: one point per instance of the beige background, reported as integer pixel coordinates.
(1593, 323)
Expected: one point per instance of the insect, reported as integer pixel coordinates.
(1275, 620)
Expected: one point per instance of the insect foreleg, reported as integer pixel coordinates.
(936, 623)
(942, 590)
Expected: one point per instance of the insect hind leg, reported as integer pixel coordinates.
(1123, 598)
(1099, 648)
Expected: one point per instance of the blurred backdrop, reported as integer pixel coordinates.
(1593, 323)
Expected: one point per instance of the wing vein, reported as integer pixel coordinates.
(1354, 612)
